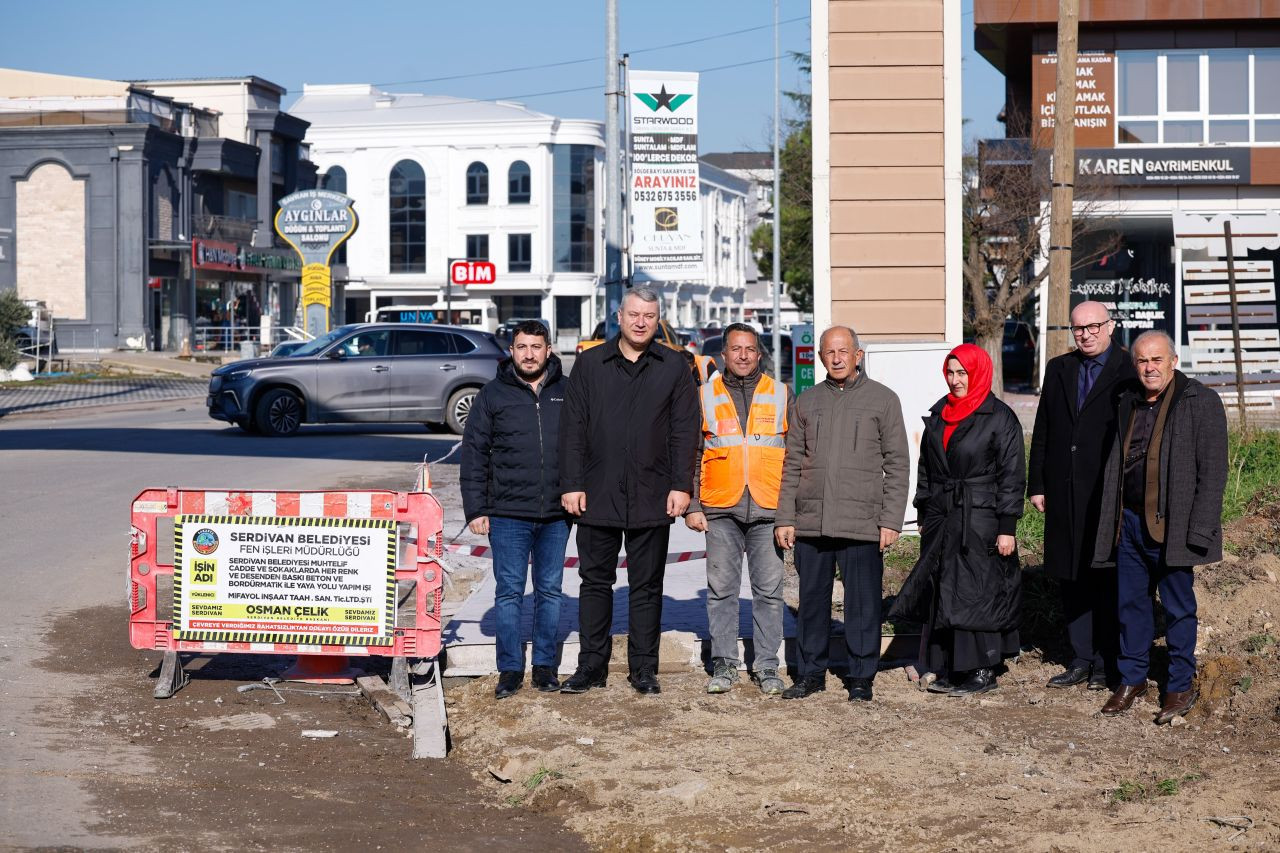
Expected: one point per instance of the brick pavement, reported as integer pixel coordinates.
(38, 397)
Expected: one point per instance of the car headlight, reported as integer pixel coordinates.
(236, 376)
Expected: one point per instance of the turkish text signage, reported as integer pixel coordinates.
(1150, 166)
(229, 257)
(314, 223)
(1095, 99)
(666, 213)
(286, 580)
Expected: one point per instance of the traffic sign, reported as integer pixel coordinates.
(472, 272)
(802, 356)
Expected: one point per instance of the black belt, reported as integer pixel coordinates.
(960, 491)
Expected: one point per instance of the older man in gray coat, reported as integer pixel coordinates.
(1161, 516)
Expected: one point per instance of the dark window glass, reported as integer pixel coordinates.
(477, 247)
(418, 342)
(519, 252)
(574, 200)
(462, 345)
(518, 183)
(407, 237)
(1134, 132)
(477, 183)
(367, 344)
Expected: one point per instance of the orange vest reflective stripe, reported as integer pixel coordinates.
(706, 368)
(732, 461)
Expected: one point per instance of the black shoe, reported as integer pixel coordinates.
(979, 681)
(544, 678)
(806, 686)
(941, 685)
(582, 681)
(508, 684)
(1073, 676)
(859, 689)
(1098, 680)
(645, 682)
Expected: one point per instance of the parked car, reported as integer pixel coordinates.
(665, 335)
(508, 329)
(362, 373)
(1018, 354)
(714, 347)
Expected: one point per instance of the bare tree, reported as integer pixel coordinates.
(1006, 218)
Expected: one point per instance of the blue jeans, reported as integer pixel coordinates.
(514, 541)
(1140, 571)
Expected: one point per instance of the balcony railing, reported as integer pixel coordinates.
(233, 229)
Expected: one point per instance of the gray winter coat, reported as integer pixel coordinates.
(1193, 476)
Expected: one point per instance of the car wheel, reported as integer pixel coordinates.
(279, 413)
(459, 407)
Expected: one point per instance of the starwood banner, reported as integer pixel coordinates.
(666, 214)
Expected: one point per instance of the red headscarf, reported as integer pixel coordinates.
(975, 360)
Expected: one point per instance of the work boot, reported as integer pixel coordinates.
(806, 686)
(544, 678)
(508, 684)
(724, 674)
(768, 680)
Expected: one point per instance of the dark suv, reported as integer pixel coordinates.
(364, 373)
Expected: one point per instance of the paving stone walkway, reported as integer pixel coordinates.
(39, 397)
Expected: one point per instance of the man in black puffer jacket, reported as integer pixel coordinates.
(510, 481)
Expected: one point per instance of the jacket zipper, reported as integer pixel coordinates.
(542, 463)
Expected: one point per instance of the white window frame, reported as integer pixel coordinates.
(1202, 114)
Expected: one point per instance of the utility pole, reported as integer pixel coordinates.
(612, 174)
(1064, 167)
(777, 201)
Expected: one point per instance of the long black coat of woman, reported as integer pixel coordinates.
(966, 587)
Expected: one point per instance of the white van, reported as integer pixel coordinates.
(478, 314)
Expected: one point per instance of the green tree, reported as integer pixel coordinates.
(13, 316)
(796, 210)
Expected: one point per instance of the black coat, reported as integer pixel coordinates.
(628, 442)
(966, 496)
(509, 464)
(1068, 453)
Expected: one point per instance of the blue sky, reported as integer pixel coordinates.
(411, 45)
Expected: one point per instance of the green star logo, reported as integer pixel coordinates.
(662, 98)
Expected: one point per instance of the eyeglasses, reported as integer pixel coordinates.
(1091, 328)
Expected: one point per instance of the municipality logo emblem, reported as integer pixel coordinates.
(662, 98)
(205, 541)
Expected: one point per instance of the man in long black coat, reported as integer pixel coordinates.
(629, 436)
(1074, 429)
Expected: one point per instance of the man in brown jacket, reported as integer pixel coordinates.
(843, 498)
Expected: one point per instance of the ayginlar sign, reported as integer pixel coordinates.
(315, 223)
(284, 580)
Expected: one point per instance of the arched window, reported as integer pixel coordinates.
(408, 232)
(335, 179)
(518, 183)
(477, 183)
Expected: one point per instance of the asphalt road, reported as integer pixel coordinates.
(69, 478)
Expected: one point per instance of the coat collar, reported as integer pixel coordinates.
(612, 349)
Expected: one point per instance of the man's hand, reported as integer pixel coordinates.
(1005, 544)
(1037, 501)
(887, 537)
(785, 537)
(696, 521)
(677, 503)
(480, 525)
(574, 503)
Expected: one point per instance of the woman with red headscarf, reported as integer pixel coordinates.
(966, 587)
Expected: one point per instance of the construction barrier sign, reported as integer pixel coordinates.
(280, 579)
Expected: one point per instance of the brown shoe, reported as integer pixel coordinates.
(1123, 699)
(1177, 705)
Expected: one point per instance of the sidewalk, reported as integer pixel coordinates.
(37, 397)
(157, 364)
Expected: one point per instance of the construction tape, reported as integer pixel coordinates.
(572, 562)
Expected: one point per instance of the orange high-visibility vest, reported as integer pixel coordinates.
(732, 461)
(706, 368)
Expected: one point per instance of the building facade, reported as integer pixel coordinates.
(436, 179)
(1177, 120)
(135, 221)
(887, 183)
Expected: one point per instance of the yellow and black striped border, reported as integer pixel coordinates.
(389, 621)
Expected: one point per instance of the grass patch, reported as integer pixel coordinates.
(541, 776)
(1132, 791)
(1253, 461)
(1245, 682)
(1256, 644)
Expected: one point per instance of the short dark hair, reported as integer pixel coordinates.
(531, 327)
(740, 327)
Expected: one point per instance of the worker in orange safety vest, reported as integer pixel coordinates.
(745, 413)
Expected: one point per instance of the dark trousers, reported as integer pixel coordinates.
(1089, 607)
(863, 570)
(1140, 571)
(598, 549)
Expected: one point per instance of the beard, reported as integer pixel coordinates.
(529, 375)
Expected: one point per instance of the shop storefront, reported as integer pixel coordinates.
(241, 294)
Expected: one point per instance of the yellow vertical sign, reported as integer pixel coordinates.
(315, 223)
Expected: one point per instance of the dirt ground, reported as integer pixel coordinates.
(1022, 768)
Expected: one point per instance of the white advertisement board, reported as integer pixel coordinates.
(284, 580)
(666, 213)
